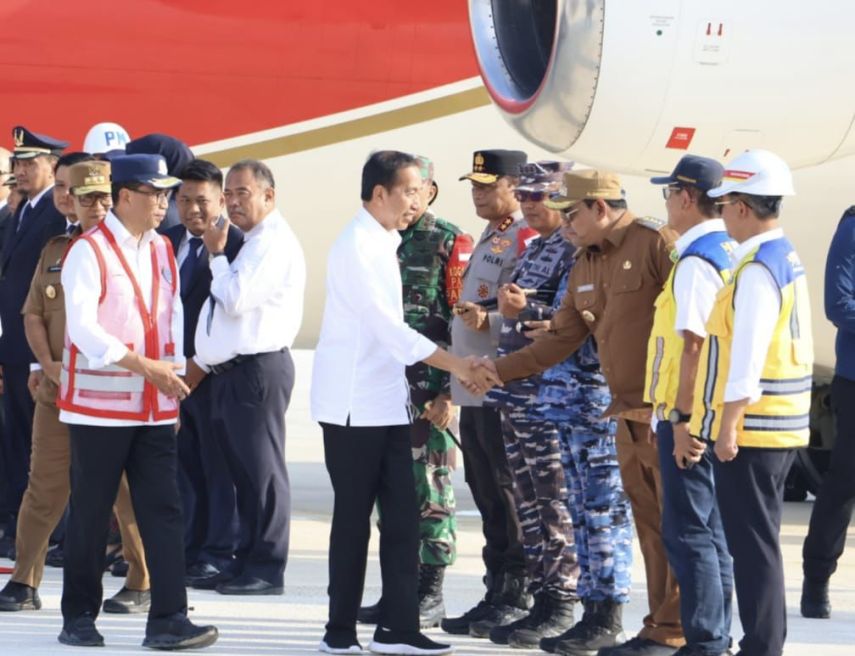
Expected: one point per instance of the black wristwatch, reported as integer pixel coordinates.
(677, 417)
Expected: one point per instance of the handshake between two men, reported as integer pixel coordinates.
(512, 303)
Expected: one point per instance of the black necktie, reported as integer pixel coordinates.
(188, 267)
(23, 216)
(70, 228)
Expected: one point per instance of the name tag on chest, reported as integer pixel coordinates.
(585, 288)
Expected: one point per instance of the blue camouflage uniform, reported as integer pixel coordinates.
(531, 440)
(573, 396)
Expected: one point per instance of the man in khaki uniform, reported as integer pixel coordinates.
(48, 489)
(622, 266)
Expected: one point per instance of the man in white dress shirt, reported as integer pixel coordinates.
(360, 397)
(243, 335)
(119, 393)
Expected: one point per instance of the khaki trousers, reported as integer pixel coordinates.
(639, 469)
(45, 500)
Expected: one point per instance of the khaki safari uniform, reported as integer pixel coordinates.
(610, 295)
(47, 493)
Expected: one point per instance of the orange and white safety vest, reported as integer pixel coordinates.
(113, 392)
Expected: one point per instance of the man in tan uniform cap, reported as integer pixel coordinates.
(622, 266)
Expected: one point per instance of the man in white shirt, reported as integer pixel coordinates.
(753, 389)
(360, 397)
(119, 394)
(691, 523)
(207, 488)
(243, 335)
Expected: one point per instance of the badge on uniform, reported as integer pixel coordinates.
(588, 316)
(499, 245)
(56, 268)
(585, 288)
(50, 291)
(627, 265)
(483, 290)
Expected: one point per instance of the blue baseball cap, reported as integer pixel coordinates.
(144, 169)
(701, 172)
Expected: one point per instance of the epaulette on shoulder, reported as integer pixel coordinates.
(651, 223)
(507, 223)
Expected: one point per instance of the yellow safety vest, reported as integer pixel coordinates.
(781, 417)
(665, 346)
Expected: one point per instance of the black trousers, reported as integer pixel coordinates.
(16, 441)
(750, 491)
(492, 484)
(832, 510)
(207, 489)
(99, 455)
(367, 464)
(248, 404)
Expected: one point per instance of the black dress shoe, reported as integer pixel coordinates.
(17, 596)
(199, 572)
(249, 585)
(815, 603)
(128, 601)
(369, 614)
(120, 568)
(178, 632)
(81, 633)
(55, 556)
(211, 582)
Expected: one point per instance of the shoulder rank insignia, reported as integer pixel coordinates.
(651, 222)
(507, 223)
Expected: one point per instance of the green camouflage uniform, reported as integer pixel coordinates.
(432, 256)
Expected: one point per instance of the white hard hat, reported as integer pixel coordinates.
(757, 173)
(104, 137)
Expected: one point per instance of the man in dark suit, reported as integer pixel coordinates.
(207, 489)
(24, 234)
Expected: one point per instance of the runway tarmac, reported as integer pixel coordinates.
(293, 623)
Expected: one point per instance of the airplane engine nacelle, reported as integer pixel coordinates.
(634, 84)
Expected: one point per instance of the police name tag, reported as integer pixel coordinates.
(585, 288)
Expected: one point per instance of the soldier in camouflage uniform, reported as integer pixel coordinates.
(531, 441)
(574, 395)
(432, 255)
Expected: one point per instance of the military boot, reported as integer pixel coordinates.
(460, 625)
(510, 605)
(601, 626)
(500, 633)
(555, 618)
(431, 606)
(815, 603)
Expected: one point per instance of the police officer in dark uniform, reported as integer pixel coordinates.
(24, 234)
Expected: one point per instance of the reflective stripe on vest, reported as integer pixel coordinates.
(665, 346)
(780, 418)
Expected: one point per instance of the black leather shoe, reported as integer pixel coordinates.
(199, 572)
(815, 603)
(120, 568)
(178, 632)
(17, 596)
(249, 585)
(211, 582)
(369, 614)
(128, 601)
(81, 633)
(55, 556)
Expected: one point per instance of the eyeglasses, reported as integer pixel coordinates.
(721, 203)
(534, 196)
(669, 191)
(567, 215)
(89, 200)
(160, 196)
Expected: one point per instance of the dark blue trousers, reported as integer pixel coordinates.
(207, 489)
(697, 549)
(832, 510)
(248, 404)
(750, 491)
(16, 440)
